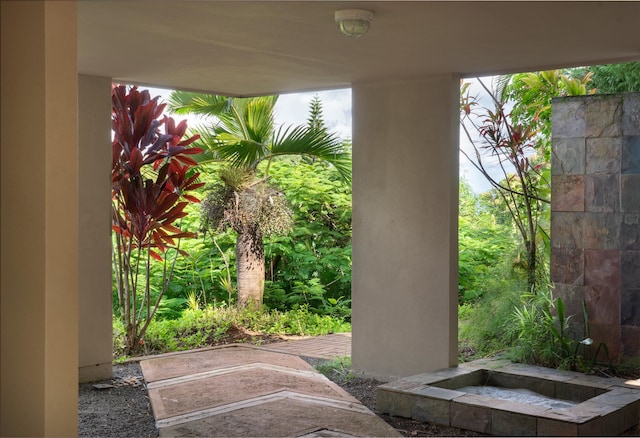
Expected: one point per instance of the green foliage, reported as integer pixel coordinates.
(509, 314)
(316, 119)
(206, 326)
(311, 265)
(484, 325)
(544, 335)
(200, 275)
(517, 145)
(532, 94)
(541, 339)
(300, 320)
(615, 78)
(338, 369)
(151, 177)
(482, 245)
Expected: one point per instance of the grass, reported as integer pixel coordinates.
(337, 370)
(486, 326)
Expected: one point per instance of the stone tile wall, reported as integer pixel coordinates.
(595, 216)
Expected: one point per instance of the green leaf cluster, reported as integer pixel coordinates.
(545, 335)
(483, 243)
(196, 328)
(311, 265)
(614, 78)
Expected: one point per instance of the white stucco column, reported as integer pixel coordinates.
(96, 339)
(39, 219)
(405, 225)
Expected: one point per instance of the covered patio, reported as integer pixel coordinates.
(58, 60)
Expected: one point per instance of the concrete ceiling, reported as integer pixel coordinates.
(253, 47)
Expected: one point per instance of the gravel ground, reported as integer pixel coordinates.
(116, 408)
(119, 407)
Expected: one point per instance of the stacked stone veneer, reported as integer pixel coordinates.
(595, 216)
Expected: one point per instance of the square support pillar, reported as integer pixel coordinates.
(39, 219)
(96, 333)
(405, 226)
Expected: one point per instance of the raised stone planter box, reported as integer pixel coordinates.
(604, 407)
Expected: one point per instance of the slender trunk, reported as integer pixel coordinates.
(273, 266)
(531, 254)
(228, 287)
(118, 269)
(250, 266)
(166, 280)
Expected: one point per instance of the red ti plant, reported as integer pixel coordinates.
(151, 175)
(523, 177)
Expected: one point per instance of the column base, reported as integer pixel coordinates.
(99, 371)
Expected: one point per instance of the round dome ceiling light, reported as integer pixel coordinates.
(354, 22)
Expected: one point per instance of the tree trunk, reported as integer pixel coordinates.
(250, 266)
(532, 265)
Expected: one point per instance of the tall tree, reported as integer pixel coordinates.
(243, 135)
(315, 121)
(515, 144)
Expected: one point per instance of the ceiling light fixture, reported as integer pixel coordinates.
(354, 22)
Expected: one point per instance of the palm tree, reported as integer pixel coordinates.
(243, 135)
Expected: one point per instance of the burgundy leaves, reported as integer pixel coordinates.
(151, 171)
(502, 137)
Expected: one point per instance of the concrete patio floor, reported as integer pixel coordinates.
(244, 390)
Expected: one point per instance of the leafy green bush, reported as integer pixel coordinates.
(206, 326)
(297, 321)
(312, 265)
(484, 324)
(482, 245)
(544, 335)
(534, 326)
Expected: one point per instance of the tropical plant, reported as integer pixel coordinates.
(210, 325)
(151, 177)
(523, 185)
(532, 94)
(482, 245)
(312, 264)
(544, 335)
(511, 139)
(243, 135)
(613, 78)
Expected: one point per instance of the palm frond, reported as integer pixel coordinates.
(259, 117)
(184, 102)
(302, 140)
(501, 86)
(244, 133)
(205, 142)
(243, 153)
(237, 178)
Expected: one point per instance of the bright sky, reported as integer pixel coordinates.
(293, 109)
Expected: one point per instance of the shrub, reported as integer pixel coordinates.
(201, 327)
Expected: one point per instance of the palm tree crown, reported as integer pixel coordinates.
(245, 134)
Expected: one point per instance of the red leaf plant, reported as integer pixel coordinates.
(151, 175)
